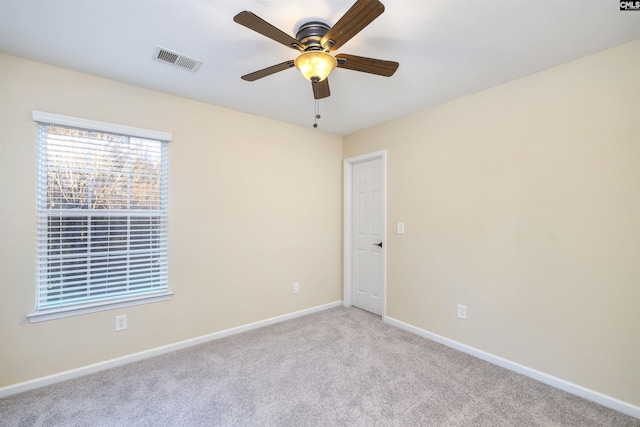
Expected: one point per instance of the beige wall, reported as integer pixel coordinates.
(523, 203)
(254, 206)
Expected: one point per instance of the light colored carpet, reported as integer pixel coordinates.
(340, 367)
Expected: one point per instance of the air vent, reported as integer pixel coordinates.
(177, 59)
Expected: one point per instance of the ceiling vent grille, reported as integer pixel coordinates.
(177, 59)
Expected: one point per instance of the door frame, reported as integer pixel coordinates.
(348, 225)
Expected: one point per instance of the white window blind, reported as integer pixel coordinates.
(102, 202)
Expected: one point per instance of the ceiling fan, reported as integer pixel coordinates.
(315, 40)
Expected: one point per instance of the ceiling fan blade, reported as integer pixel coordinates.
(367, 65)
(321, 89)
(259, 25)
(361, 14)
(268, 71)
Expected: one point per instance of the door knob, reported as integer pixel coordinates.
(378, 244)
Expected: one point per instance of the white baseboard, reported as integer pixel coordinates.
(604, 400)
(108, 364)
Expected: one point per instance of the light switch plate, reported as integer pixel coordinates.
(400, 228)
(462, 312)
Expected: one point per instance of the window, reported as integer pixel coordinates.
(101, 216)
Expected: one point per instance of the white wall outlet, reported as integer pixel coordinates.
(462, 311)
(296, 288)
(121, 322)
(400, 228)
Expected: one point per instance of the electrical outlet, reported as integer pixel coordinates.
(121, 322)
(462, 311)
(296, 288)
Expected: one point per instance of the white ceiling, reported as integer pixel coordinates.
(446, 49)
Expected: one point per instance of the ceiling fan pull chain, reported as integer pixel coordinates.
(315, 122)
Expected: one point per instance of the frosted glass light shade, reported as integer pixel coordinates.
(315, 65)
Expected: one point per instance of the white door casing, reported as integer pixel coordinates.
(364, 230)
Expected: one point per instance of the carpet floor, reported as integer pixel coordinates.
(339, 367)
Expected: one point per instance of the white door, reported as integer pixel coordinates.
(367, 281)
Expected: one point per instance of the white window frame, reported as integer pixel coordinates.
(108, 303)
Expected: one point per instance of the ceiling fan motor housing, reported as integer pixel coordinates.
(310, 34)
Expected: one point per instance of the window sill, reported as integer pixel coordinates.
(58, 313)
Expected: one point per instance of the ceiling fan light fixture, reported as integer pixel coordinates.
(315, 65)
